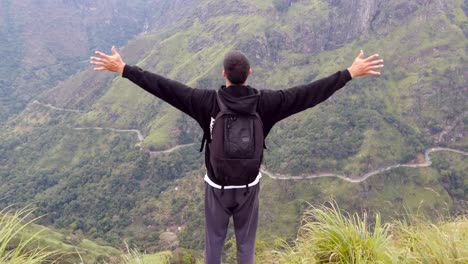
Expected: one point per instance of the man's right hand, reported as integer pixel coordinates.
(113, 63)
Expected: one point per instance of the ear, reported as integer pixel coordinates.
(250, 71)
(224, 74)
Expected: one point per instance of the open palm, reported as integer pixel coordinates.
(365, 66)
(104, 62)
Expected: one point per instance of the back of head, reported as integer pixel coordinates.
(236, 66)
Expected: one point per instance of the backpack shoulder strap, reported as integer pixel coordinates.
(223, 109)
(203, 142)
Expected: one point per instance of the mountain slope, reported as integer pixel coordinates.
(44, 42)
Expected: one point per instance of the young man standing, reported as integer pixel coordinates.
(239, 201)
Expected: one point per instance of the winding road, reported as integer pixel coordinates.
(427, 162)
(171, 149)
(57, 108)
(136, 131)
(427, 159)
(140, 138)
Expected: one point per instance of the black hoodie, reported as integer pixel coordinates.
(201, 104)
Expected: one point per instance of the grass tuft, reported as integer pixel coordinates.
(330, 235)
(423, 242)
(134, 256)
(16, 250)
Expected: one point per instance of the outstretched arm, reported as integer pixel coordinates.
(283, 103)
(184, 98)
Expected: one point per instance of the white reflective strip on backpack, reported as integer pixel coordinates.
(211, 127)
(212, 184)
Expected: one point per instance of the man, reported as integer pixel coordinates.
(222, 202)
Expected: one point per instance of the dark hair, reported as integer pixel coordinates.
(236, 66)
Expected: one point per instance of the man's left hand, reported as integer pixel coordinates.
(366, 66)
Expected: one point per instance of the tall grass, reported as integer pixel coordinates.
(442, 243)
(17, 250)
(134, 256)
(330, 235)
(327, 235)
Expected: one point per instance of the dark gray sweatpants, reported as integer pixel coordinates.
(218, 209)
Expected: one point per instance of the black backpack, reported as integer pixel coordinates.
(236, 147)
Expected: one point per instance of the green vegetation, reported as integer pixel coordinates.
(23, 242)
(70, 248)
(135, 257)
(424, 242)
(37, 58)
(330, 235)
(99, 185)
(16, 252)
(327, 234)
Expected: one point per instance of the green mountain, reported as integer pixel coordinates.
(44, 42)
(76, 151)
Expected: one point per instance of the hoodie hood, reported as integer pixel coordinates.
(239, 98)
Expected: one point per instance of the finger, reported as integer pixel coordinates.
(361, 55)
(99, 69)
(375, 73)
(97, 63)
(96, 59)
(371, 58)
(114, 51)
(375, 62)
(380, 66)
(102, 54)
